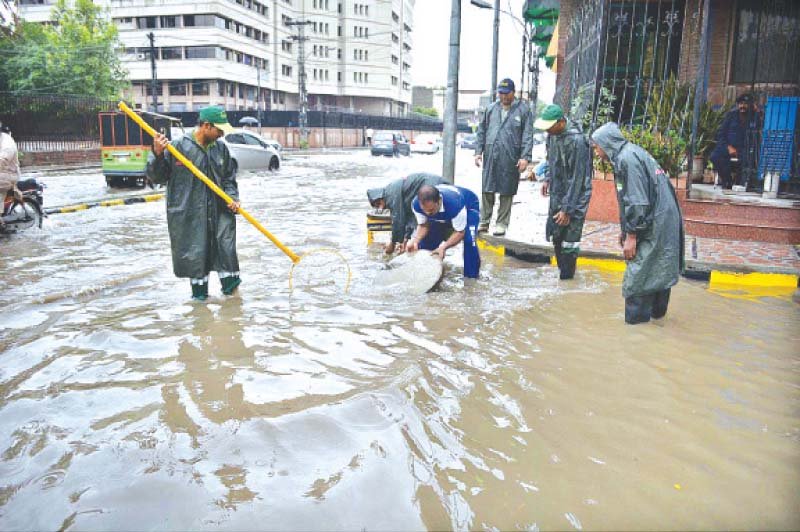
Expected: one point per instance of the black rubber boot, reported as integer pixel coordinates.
(200, 291)
(229, 284)
(638, 309)
(660, 304)
(567, 265)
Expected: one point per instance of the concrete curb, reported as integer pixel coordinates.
(722, 275)
(128, 200)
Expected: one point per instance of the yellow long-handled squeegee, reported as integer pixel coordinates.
(228, 200)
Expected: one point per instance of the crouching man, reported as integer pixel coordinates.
(651, 224)
(439, 208)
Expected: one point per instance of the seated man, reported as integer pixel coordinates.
(737, 139)
(438, 208)
(397, 197)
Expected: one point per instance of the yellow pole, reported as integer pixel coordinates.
(213, 186)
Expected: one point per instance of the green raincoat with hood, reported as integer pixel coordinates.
(398, 196)
(202, 230)
(503, 142)
(569, 159)
(648, 207)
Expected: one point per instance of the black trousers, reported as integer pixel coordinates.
(639, 309)
(566, 261)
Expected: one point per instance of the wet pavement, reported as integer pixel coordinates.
(513, 402)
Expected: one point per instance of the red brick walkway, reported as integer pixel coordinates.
(603, 237)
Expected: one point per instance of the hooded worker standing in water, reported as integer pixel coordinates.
(651, 225)
(569, 185)
(202, 229)
(397, 197)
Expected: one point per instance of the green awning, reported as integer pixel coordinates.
(541, 12)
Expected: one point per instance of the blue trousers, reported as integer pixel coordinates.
(437, 232)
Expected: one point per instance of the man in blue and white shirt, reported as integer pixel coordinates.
(439, 208)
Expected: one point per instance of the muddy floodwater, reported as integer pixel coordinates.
(516, 402)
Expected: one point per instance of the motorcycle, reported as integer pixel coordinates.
(21, 214)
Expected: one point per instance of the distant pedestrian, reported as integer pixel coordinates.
(442, 209)
(504, 145)
(397, 196)
(370, 133)
(202, 229)
(568, 182)
(650, 222)
(9, 163)
(737, 139)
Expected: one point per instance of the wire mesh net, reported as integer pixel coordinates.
(322, 270)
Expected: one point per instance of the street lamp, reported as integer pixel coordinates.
(495, 40)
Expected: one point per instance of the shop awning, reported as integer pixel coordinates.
(542, 16)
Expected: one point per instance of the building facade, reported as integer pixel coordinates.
(243, 54)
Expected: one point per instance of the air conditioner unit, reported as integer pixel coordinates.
(141, 57)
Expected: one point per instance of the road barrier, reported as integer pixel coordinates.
(129, 200)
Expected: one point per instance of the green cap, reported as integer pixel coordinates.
(216, 116)
(550, 115)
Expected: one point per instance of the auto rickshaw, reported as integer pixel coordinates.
(125, 147)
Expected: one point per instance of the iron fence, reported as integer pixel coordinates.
(650, 66)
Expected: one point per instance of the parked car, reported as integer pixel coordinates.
(251, 151)
(391, 143)
(470, 142)
(426, 143)
(277, 146)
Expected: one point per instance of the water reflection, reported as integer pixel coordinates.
(514, 402)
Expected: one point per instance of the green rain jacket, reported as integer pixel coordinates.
(202, 230)
(398, 196)
(648, 207)
(570, 161)
(503, 143)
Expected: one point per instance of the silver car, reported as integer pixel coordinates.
(252, 151)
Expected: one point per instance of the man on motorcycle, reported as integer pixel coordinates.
(9, 164)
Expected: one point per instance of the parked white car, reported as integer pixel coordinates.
(426, 143)
(252, 151)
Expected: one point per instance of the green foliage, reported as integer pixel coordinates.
(76, 55)
(427, 111)
(668, 148)
(303, 144)
(581, 108)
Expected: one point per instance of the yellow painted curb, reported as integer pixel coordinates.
(499, 250)
(153, 197)
(74, 208)
(762, 280)
(109, 203)
(608, 265)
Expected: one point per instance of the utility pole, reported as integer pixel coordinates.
(495, 47)
(258, 99)
(451, 100)
(153, 77)
(301, 75)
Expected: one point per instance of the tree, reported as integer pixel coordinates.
(429, 111)
(76, 55)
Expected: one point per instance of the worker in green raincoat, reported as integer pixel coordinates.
(504, 145)
(397, 197)
(569, 185)
(202, 229)
(651, 225)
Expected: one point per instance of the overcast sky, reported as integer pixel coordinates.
(431, 36)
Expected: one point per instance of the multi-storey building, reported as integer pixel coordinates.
(239, 53)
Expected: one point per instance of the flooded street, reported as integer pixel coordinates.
(516, 402)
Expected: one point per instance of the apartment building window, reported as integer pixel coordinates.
(339, 8)
(285, 19)
(172, 53)
(366, 11)
(286, 46)
(339, 31)
(146, 23)
(241, 91)
(177, 88)
(339, 77)
(394, 80)
(366, 33)
(406, 67)
(200, 88)
(169, 22)
(366, 78)
(406, 86)
(201, 52)
(149, 89)
(220, 88)
(366, 55)
(395, 60)
(395, 38)
(355, 55)
(286, 71)
(339, 53)
(327, 29)
(395, 17)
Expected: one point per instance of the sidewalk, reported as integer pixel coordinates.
(705, 257)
